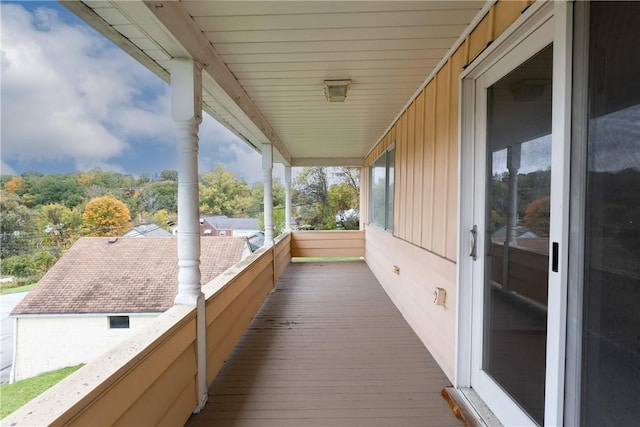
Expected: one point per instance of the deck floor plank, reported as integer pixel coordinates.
(328, 348)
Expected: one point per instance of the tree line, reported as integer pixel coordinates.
(43, 215)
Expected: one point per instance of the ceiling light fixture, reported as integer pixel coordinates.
(336, 90)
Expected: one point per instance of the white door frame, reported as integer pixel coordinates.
(515, 43)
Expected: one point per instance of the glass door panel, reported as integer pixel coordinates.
(611, 306)
(518, 157)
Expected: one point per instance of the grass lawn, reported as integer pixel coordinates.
(17, 289)
(13, 396)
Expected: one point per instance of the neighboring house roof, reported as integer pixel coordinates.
(222, 222)
(127, 276)
(256, 241)
(147, 230)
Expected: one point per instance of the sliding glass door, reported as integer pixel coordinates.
(606, 284)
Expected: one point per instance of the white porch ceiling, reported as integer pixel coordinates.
(265, 62)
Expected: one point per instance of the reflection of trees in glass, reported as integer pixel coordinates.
(531, 187)
(536, 217)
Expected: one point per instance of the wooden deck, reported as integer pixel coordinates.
(328, 348)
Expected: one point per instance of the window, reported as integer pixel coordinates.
(118, 322)
(382, 171)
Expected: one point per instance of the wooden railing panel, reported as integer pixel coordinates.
(247, 306)
(179, 376)
(327, 244)
(126, 391)
(297, 236)
(180, 409)
(234, 285)
(232, 311)
(232, 301)
(282, 254)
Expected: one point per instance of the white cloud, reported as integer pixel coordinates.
(219, 145)
(68, 94)
(71, 98)
(5, 169)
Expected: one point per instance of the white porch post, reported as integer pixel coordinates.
(287, 198)
(186, 105)
(365, 179)
(267, 169)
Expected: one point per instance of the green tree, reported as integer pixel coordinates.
(169, 175)
(19, 265)
(223, 193)
(278, 221)
(58, 188)
(257, 196)
(159, 195)
(106, 216)
(165, 219)
(61, 225)
(16, 226)
(311, 195)
(143, 178)
(27, 265)
(344, 200)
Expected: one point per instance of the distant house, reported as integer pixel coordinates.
(101, 291)
(221, 225)
(147, 230)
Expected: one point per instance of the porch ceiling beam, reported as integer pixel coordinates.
(327, 161)
(180, 24)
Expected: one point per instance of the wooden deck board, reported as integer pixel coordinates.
(328, 348)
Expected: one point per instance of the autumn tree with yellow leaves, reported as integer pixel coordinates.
(106, 216)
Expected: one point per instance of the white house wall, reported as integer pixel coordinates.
(46, 344)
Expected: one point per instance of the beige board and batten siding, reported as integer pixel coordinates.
(424, 240)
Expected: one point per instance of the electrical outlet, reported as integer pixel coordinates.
(439, 296)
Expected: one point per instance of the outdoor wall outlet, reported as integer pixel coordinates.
(396, 269)
(439, 296)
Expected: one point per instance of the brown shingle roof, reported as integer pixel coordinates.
(128, 276)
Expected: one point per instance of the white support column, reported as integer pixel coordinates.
(186, 105)
(287, 198)
(364, 211)
(267, 169)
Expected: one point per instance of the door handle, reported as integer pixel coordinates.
(474, 242)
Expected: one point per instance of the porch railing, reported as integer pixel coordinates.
(151, 378)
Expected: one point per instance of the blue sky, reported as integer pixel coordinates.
(71, 100)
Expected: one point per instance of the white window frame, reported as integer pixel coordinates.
(388, 219)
